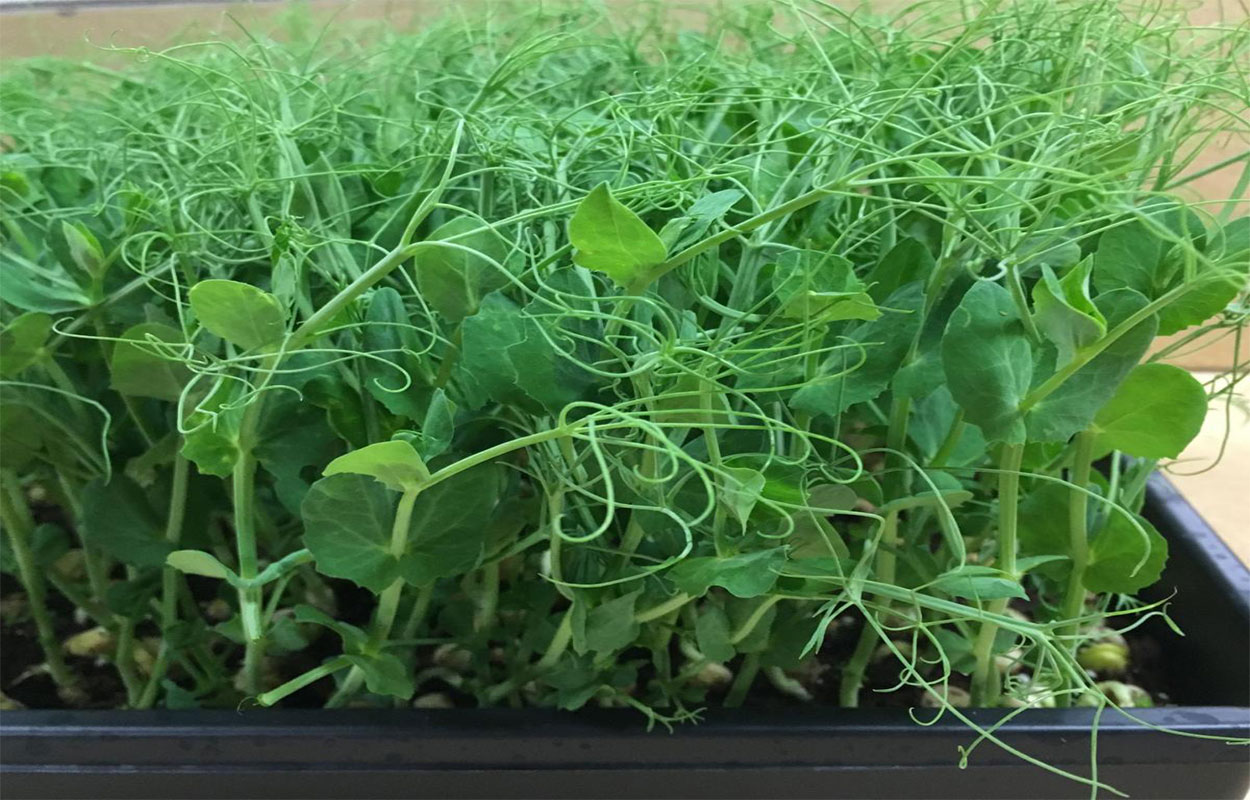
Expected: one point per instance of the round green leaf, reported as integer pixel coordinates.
(1125, 557)
(139, 369)
(237, 312)
(1156, 413)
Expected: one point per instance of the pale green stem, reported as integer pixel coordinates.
(559, 642)
(747, 671)
(169, 580)
(655, 612)
(299, 682)
(751, 622)
(15, 515)
(1078, 541)
(900, 481)
(857, 666)
(420, 607)
(947, 448)
(489, 600)
(985, 684)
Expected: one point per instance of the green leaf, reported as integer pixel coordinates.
(1065, 312)
(1071, 408)
(613, 240)
(353, 638)
(702, 213)
(813, 535)
(1133, 254)
(133, 597)
(907, 261)
(711, 632)
(212, 438)
(39, 287)
(238, 312)
(385, 674)
(449, 529)
(395, 464)
(197, 562)
(84, 249)
(48, 542)
(882, 346)
(439, 425)
(988, 361)
(1027, 564)
(740, 611)
(976, 582)
(1220, 282)
(293, 436)
(342, 405)
(1155, 413)
(1148, 254)
(347, 526)
(454, 280)
(393, 375)
(607, 627)
(22, 341)
(746, 575)
(822, 286)
(1124, 558)
(740, 490)
(348, 520)
(510, 357)
(21, 435)
(576, 680)
(139, 368)
(117, 518)
(1043, 520)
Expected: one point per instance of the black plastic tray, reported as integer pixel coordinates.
(805, 752)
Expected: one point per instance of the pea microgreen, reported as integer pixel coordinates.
(551, 359)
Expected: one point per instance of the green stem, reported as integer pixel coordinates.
(92, 559)
(100, 615)
(243, 490)
(555, 513)
(169, 580)
(299, 682)
(559, 642)
(1022, 304)
(420, 607)
(747, 671)
(857, 666)
(1078, 541)
(951, 441)
(985, 684)
(124, 654)
(753, 620)
(714, 459)
(489, 600)
(404, 250)
(900, 486)
(15, 515)
(655, 612)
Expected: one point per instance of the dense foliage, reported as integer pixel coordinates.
(550, 360)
